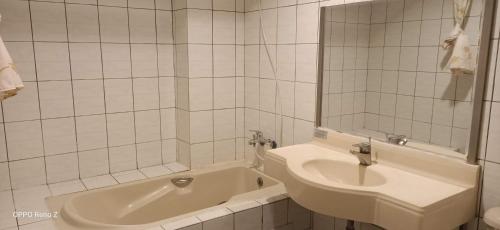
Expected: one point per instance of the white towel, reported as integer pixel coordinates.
(10, 82)
(461, 61)
(461, 57)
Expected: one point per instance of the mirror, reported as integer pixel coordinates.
(385, 74)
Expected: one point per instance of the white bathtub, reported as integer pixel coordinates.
(149, 203)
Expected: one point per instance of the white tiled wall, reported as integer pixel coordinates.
(284, 109)
(409, 89)
(345, 68)
(209, 78)
(99, 93)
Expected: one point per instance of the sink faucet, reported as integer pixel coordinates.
(396, 139)
(365, 152)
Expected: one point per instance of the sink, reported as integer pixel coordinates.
(404, 188)
(343, 172)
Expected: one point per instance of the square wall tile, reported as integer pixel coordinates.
(146, 93)
(142, 25)
(200, 94)
(167, 92)
(59, 135)
(169, 150)
(224, 27)
(307, 15)
(303, 131)
(166, 60)
(182, 125)
(248, 219)
(224, 124)
(121, 129)
(116, 60)
(114, 24)
(147, 126)
(85, 60)
(119, 95)
(144, 60)
(286, 24)
(62, 167)
(93, 162)
(168, 123)
(224, 151)
(275, 214)
(306, 63)
(89, 97)
(56, 99)
(25, 139)
(91, 132)
(224, 93)
(164, 30)
(423, 108)
(149, 154)
(305, 101)
(224, 60)
(52, 61)
(83, 24)
(201, 126)
(48, 21)
(16, 24)
(122, 158)
(27, 173)
(200, 60)
(202, 155)
(200, 26)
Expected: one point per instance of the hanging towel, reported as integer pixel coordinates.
(461, 61)
(10, 82)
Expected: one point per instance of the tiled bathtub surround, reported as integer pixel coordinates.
(397, 81)
(209, 80)
(99, 94)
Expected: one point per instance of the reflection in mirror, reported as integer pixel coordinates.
(386, 74)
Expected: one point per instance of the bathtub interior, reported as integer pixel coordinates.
(146, 202)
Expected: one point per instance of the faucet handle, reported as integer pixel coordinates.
(364, 147)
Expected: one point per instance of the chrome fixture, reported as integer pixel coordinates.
(396, 139)
(182, 182)
(365, 152)
(258, 138)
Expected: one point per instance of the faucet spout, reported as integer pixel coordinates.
(365, 152)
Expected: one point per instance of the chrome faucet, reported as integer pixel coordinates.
(365, 152)
(258, 138)
(396, 139)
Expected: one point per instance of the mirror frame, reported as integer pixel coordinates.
(480, 81)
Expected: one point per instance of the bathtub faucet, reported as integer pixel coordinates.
(258, 138)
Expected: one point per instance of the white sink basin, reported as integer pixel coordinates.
(403, 189)
(343, 172)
